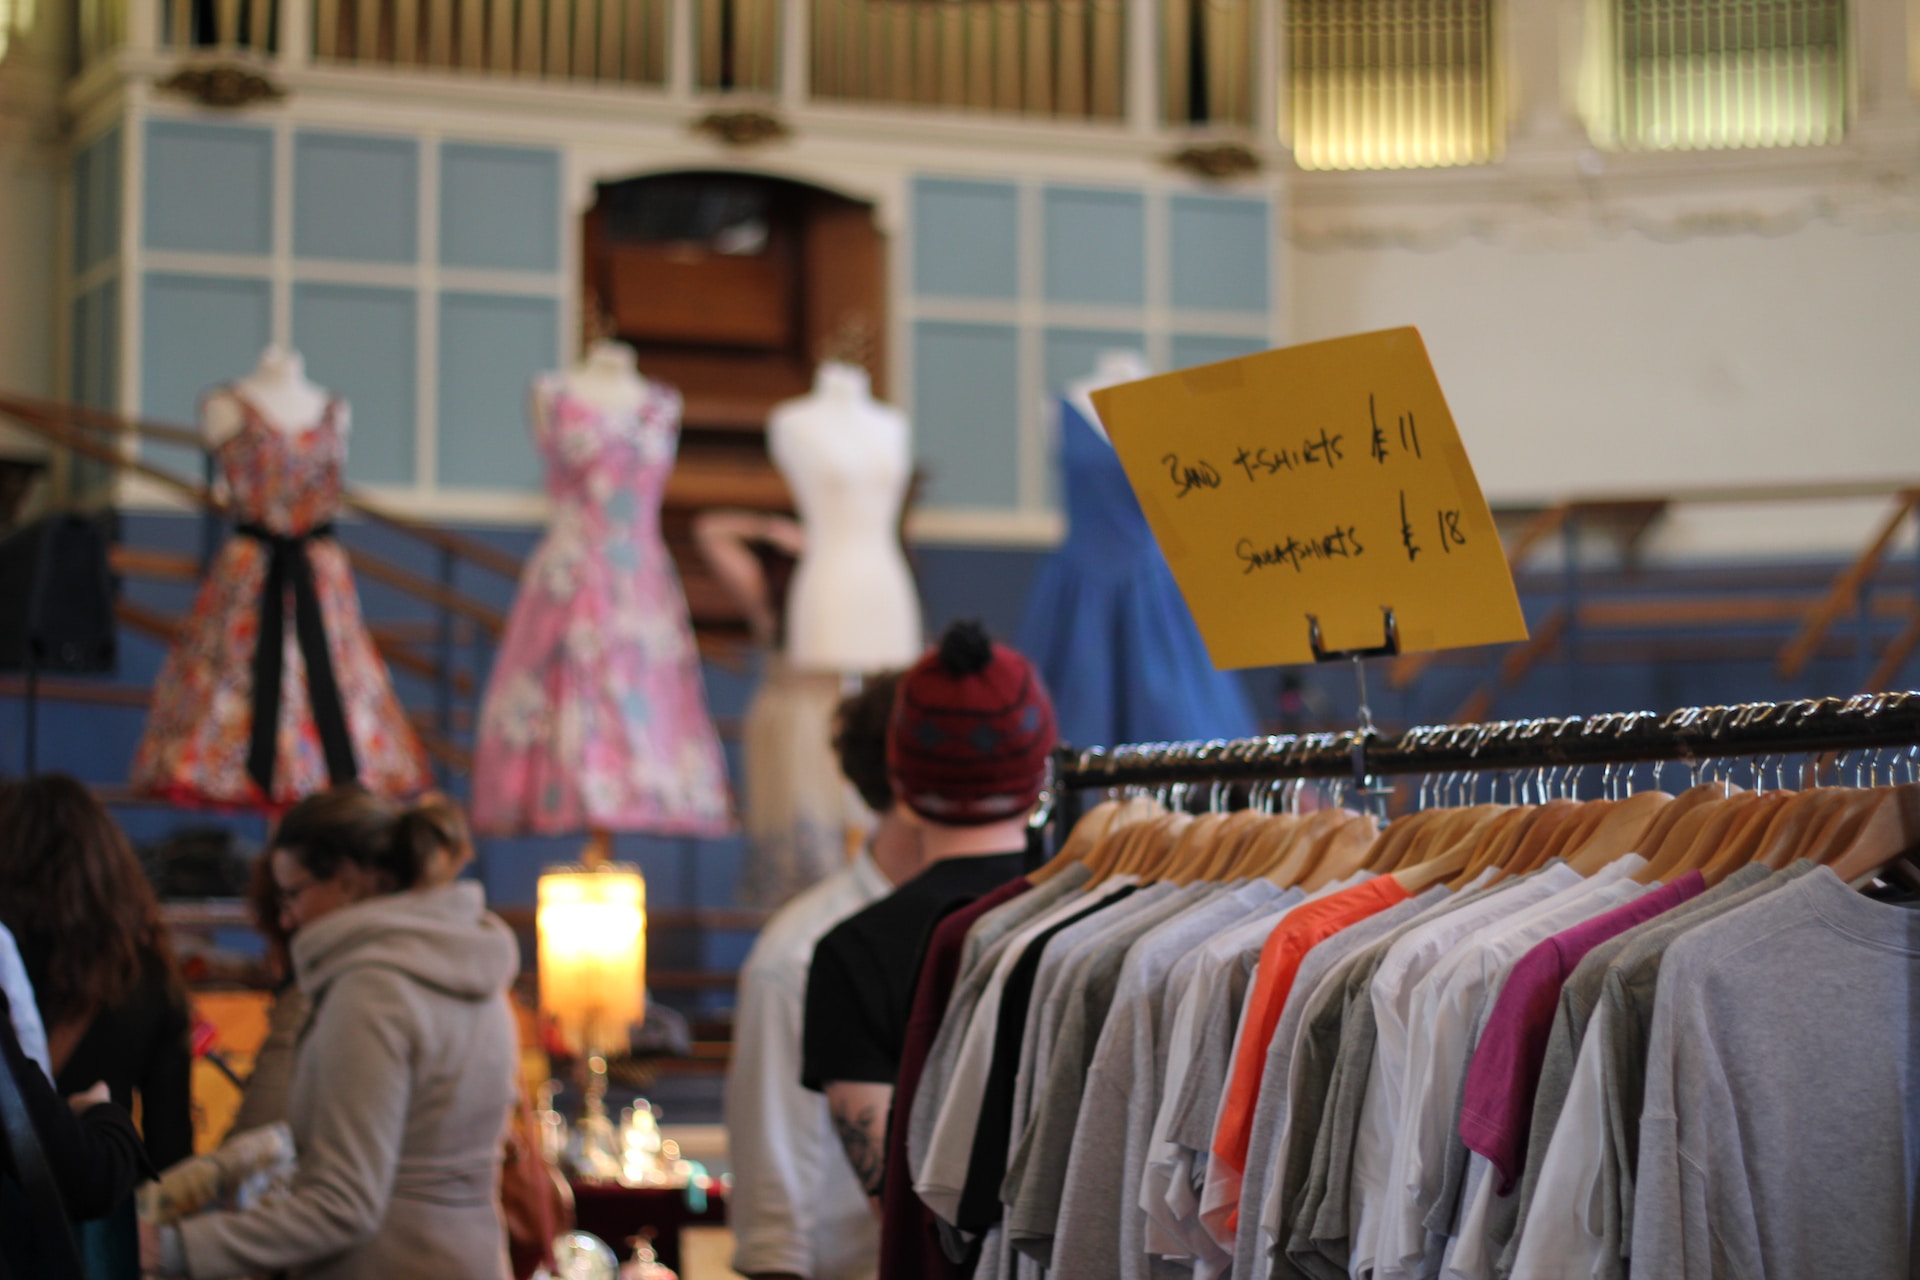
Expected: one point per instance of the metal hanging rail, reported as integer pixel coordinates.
(1806, 726)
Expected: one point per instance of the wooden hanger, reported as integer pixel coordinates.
(1268, 842)
(1229, 840)
(1434, 838)
(1843, 823)
(1672, 815)
(1086, 833)
(1746, 839)
(1891, 829)
(1450, 859)
(1195, 847)
(1574, 821)
(1621, 831)
(1345, 852)
(1497, 842)
(1117, 847)
(1542, 829)
(1155, 854)
(1716, 827)
(1392, 843)
(1793, 831)
(1446, 862)
(1291, 864)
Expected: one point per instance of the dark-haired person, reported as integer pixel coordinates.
(967, 750)
(404, 1076)
(795, 1209)
(115, 1009)
(90, 1146)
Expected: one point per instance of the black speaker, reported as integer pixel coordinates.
(56, 594)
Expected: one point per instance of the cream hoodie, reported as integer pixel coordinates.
(400, 1096)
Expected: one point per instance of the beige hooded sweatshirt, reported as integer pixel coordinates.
(400, 1096)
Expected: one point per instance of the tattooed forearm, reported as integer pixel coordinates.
(859, 1113)
(863, 1138)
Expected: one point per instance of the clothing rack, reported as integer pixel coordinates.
(1801, 727)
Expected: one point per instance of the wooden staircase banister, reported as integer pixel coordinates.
(1845, 590)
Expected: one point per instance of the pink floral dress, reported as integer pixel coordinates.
(337, 723)
(595, 715)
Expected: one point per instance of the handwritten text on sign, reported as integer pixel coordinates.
(1324, 480)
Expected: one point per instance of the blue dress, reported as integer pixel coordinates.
(1106, 622)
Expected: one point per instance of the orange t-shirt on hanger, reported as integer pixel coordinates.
(1299, 932)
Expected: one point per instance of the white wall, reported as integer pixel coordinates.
(1625, 363)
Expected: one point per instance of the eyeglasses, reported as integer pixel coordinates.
(290, 894)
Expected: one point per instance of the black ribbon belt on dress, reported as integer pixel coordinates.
(288, 566)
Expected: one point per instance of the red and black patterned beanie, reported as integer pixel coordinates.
(971, 731)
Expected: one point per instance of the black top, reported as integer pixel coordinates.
(860, 984)
(142, 1045)
(95, 1159)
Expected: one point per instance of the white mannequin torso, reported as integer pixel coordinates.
(608, 377)
(1110, 370)
(277, 390)
(847, 458)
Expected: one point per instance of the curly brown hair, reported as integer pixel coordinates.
(860, 738)
(72, 890)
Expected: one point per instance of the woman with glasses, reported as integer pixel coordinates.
(404, 1074)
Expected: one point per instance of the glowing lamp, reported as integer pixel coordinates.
(592, 925)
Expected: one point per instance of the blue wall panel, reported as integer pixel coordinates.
(1221, 253)
(1070, 354)
(491, 346)
(1095, 246)
(356, 198)
(966, 412)
(96, 201)
(360, 342)
(966, 238)
(209, 187)
(499, 207)
(1190, 349)
(93, 371)
(197, 332)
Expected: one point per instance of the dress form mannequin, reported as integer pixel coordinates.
(607, 377)
(595, 716)
(847, 458)
(1105, 620)
(801, 817)
(279, 392)
(1110, 370)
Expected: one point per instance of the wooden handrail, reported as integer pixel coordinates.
(1406, 671)
(1882, 676)
(49, 417)
(1845, 590)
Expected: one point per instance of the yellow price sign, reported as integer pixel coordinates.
(1311, 489)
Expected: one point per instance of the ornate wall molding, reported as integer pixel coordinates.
(226, 86)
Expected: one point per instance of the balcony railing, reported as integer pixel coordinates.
(1146, 64)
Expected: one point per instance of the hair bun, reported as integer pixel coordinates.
(966, 649)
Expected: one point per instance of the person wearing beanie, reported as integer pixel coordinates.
(967, 752)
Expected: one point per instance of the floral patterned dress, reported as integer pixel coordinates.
(595, 715)
(200, 745)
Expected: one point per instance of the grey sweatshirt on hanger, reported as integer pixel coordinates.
(1782, 1103)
